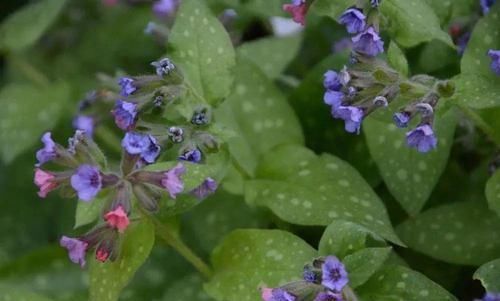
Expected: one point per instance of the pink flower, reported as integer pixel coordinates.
(172, 180)
(298, 10)
(267, 293)
(117, 218)
(45, 181)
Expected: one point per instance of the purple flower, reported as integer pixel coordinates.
(331, 81)
(486, 5)
(48, 152)
(135, 143)
(208, 187)
(334, 275)
(422, 138)
(164, 8)
(401, 119)
(328, 296)
(84, 123)
(125, 114)
(368, 42)
(127, 86)
(172, 180)
(277, 294)
(375, 3)
(76, 249)
(354, 20)
(490, 297)
(193, 156)
(333, 99)
(462, 42)
(495, 60)
(352, 116)
(309, 275)
(152, 151)
(163, 66)
(87, 181)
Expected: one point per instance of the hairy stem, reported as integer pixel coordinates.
(175, 242)
(481, 124)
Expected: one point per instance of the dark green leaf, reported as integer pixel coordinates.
(397, 59)
(330, 8)
(493, 192)
(489, 275)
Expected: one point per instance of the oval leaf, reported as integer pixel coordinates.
(489, 275)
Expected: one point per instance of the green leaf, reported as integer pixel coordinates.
(333, 9)
(362, 264)
(304, 189)
(249, 259)
(88, 212)
(264, 8)
(40, 110)
(189, 288)
(477, 86)
(109, 278)
(272, 54)
(13, 294)
(435, 56)
(461, 233)
(489, 275)
(260, 115)
(400, 283)
(342, 238)
(201, 47)
(493, 192)
(24, 27)
(409, 175)
(412, 22)
(397, 59)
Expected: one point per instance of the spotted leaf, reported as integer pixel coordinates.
(489, 274)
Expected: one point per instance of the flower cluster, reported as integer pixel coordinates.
(369, 84)
(81, 169)
(325, 279)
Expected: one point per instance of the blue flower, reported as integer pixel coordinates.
(277, 294)
(401, 119)
(48, 152)
(368, 42)
(352, 116)
(87, 182)
(208, 187)
(354, 20)
(135, 143)
(422, 138)
(490, 297)
(328, 296)
(193, 155)
(486, 5)
(495, 60)
(331, 81)
(127, 86)
(333, 99)
(150, 153)
(164, 8)
(334, 276)
(84, 123)
(163, 66)
(125, 114)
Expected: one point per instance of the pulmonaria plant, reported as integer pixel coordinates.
(369, 84)
(325, 279)
(133, 190)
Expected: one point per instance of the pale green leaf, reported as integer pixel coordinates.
(411, 22)
(409, 175)
(200, 45)
(28, 111)
(302, 188)
(109, 278)
(88, 212)
(461, 233)
(25, 26)
(493, 192)
(342, 238)
(394, 283)
(489, 275)
(249, 259)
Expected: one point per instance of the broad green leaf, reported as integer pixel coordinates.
(397, 59)
(435, 56)
(409, 175)
(394, 283)
(305, 189)
(493, 192)
(200, 45)
(215, 217)
(342, 238)
(249, 259)
(477, 86)
(460, 233)
(333, 9)
(411, 22)
(451, 10)
(28, 111)
(264, 8)
(109, 278)
(489, 275)
(362, 264)
(88, 212)
(272, 54)
(13, 294)
(189, 288)
(258, 112)
(25, 26)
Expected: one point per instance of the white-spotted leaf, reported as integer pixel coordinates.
(489, 275)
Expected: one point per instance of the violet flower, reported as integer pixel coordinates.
(495, 60)
(368, 42)
(127, 86)
(208, 187)
(354, 20)
(422, 138)
(172, 181)
(334, 274)
(125, 114)
(84, 123)
(48, 152)
(87, 182)
(76, 249)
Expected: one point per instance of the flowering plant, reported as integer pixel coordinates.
(303, 150)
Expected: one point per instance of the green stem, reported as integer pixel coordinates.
(481, 124)
(175, 242)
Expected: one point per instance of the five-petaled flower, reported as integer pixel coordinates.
(422, 138)
(172, 180)
(354, 20)
(87, 182)
(127, 86)
(334, 274)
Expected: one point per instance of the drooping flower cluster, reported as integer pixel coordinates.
(325, 279)
(81, 168)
